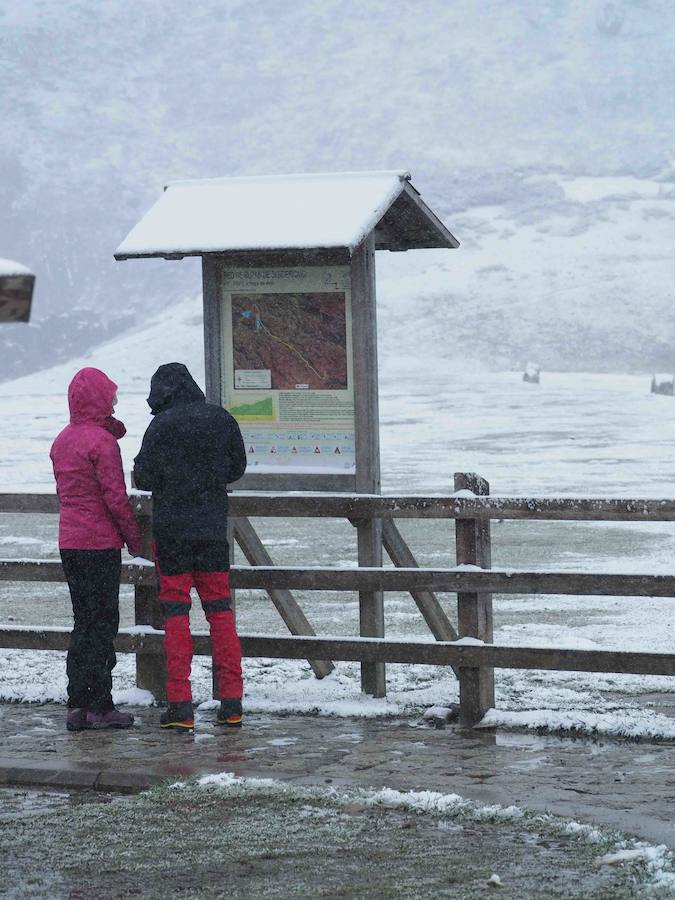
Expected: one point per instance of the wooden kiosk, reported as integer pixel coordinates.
(288, 265)
(16, 291)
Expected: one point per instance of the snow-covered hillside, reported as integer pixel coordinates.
(585, 280)
(506, 111)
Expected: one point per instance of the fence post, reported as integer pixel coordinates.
(474, 610)
(371, 604)
(150, 667)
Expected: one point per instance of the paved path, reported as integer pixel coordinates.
(630, 786)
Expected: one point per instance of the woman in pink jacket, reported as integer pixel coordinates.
(96, 522)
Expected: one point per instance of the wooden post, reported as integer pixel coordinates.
(213, 353)
(367, 448)
(474, 610)
(150, 667)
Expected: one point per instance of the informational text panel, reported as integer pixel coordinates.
(288, 367)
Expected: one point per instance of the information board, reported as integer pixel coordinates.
(288, 367)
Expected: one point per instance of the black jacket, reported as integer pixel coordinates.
(191, 451)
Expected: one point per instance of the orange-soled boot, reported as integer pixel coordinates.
(178, 716)
(230, 713)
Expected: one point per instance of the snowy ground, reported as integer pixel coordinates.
(590, 434)
(286, 841)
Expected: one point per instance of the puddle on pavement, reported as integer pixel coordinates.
(592, 745)
(18, 804)
(23, 803)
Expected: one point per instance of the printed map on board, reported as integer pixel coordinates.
(301, 339)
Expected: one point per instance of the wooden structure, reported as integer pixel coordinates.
(473, 660)
(321, 231)
(16, 291)
(663, 384)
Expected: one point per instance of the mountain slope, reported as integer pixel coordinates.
(490, 104)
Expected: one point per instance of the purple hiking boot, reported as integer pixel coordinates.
(76, 719)
(111, 719)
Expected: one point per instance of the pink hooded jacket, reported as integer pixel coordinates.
(95, 510)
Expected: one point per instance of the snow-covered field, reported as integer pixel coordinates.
(590, 434)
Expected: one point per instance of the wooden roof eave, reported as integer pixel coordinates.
(409, 224)
(275, 255)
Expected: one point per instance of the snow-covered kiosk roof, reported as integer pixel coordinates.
(299, 252)
(16, 291)
(286, 212)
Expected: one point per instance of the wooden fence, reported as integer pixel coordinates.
(472, 579)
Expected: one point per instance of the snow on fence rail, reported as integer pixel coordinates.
(473, 657)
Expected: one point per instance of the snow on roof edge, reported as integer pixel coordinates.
(9, 267)
(402, 174)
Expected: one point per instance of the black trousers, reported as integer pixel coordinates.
(178, 555)
(94, 581)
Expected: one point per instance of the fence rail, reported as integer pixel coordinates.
(473, 580)
(456, 580)
(368, 506)
(374, 650)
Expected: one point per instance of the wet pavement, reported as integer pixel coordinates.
(626, 785)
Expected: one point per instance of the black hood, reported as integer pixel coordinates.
(170, 385)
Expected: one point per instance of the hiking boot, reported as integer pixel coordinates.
(179, 716)
(113, 718)
(230, 713)
(76, 719)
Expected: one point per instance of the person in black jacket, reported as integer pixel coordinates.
(191, 451)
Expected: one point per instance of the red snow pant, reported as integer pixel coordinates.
(204, 565)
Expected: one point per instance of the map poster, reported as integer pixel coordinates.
(288, 367)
